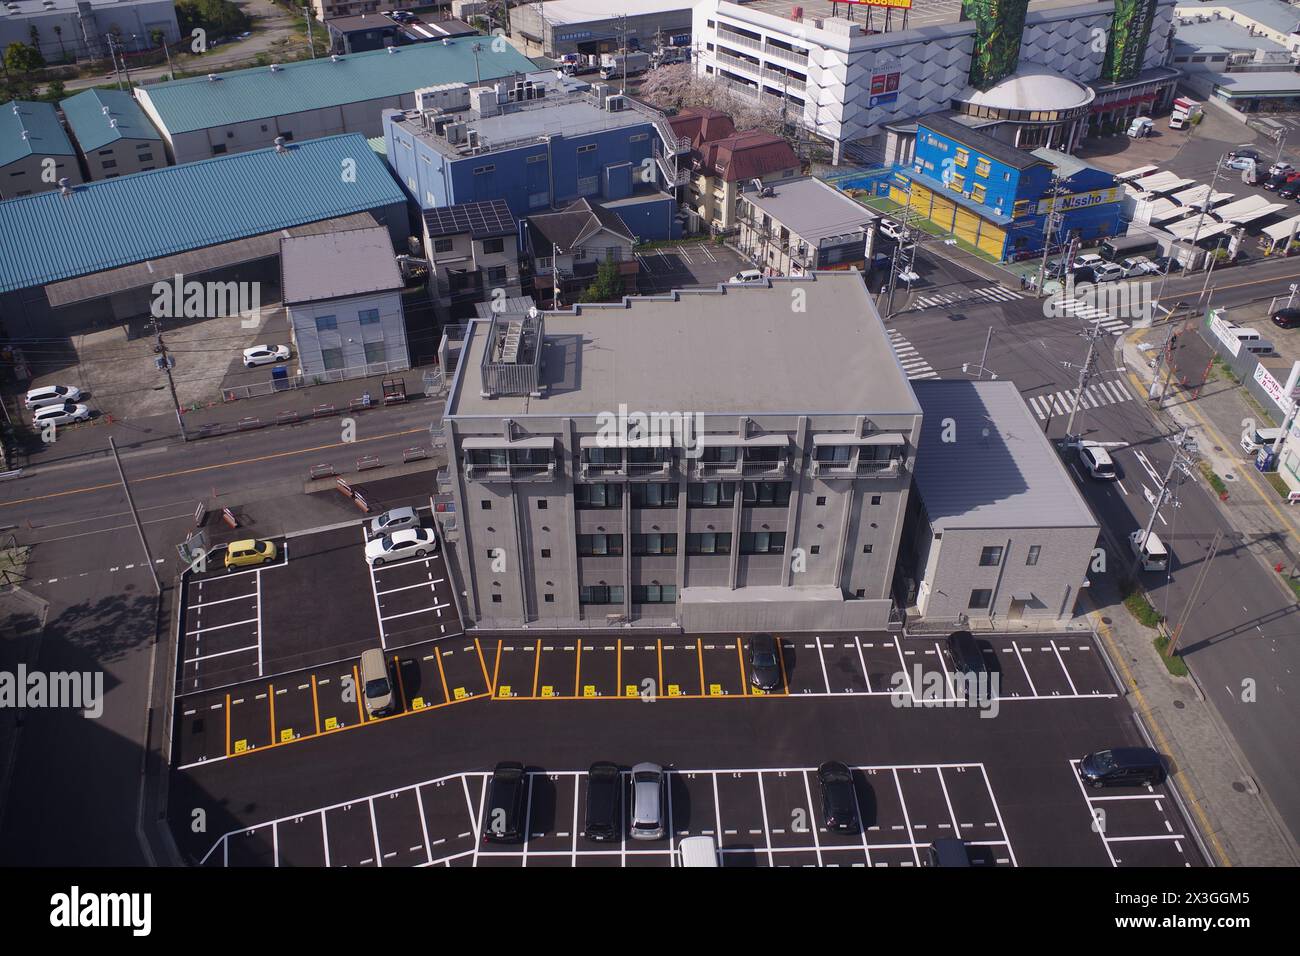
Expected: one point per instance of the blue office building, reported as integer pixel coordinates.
(540, 144)
(997, 197)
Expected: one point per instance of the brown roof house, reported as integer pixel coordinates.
(574, 241)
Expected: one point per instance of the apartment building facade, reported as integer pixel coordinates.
(614, 464)
(473, 254)
(112, 133)
(804, 225)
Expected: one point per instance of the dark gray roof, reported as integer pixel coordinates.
(337, 265)
(999, 471)
(482, 220)
(944, 124)
(572, 225)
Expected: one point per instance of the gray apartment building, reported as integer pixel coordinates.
(999, 532)
(696, 460)
(343, 295)
(804, 225)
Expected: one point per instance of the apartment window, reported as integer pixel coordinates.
(815, 549)
(834, 454)
(774, 493)
(588, 148)
(991, 557)
(443, 245)
(875, 499)
(494, 245)
(654, 543)
(982, 167)
(541, 504)
(762, 542)
(638, 138)
(548, 598)
(376, 352)
(821, 501)
(654, 495)
(546, 552)
(145, 157)
(496, 599)
(708, 542)
(599, 495)
(957, 182)
(600, 545)
(654, 594)
(327, 323)
(711, 494)
(484, 170)
(537, 158)
(977, 192)
(368, 316)
(600, 594)
(1032, 558)
(979, 599)
(485, 505)
(218, 149)
(331, 358)
(497, 276)
(109, 164)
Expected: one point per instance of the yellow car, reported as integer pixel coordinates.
(250, 551)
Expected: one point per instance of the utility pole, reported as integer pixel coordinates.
(1160, 358)
(311, 39)
(1213, 259)
(1196, 589)
(166, 364)
(1053, 219)
(1085, 373)
(476, 49)
(1174, 461)
(982, 367)
(555, 276)
(130, 503)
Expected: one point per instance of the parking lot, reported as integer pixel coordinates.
(268, 655)
(758, 817)
(690, 264)
(1028, 667)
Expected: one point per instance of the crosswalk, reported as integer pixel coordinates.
(909, 358)
(1079, 309)
(993, 293)
(1095, 395)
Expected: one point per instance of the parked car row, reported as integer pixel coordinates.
(56, 405)
(397, 534)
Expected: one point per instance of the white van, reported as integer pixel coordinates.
(699, 851)
(1141, 126)
(747, 276)
(1097, 461)
(1152, 551)
(1252, 440)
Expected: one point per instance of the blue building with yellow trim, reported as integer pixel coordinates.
(997, 197)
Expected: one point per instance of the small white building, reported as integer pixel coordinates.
(343, 295)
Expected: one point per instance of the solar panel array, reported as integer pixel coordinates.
(479, 219)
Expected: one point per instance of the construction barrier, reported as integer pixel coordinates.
(228, 517)
(414, 454)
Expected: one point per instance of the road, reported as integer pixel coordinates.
(1242, 637)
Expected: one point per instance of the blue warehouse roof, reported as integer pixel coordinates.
(94, 128)
(44, 133)
(199, 103)
(115, 222)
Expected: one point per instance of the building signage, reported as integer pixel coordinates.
(576, 35)
(1273, 387)
(1097, 197)
(999, 26)
(884, 89)
(1223, 331)
(891, 4)
(1126, 45)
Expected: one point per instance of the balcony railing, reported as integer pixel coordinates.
(510, 472)
(766, 469)
(793, 56)
(632, 471)
(717, 469)
(785, 80)
(863, 469)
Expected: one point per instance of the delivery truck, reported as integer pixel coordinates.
(615, 66)
(1185, 112)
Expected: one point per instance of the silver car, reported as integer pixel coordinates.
(647, 802)
(394, 519)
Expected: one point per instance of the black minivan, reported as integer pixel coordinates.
(964, 654)
(1122, 767)
(503, 814)
(604, 793)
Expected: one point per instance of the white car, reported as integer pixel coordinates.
(1097, 460)
(265, 354)
(1108, 272)
(747, 276)
(892, 230)
(408, 543)
(1087, 259)
(64, 414)
(51, 395)
(1282, 167)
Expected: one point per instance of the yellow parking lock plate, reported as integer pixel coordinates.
(504, 691)
(548, 690)
(757, 691)
(241, 746)
(631, 691)
(459, 693)
(674, 690)
(331, 723)
(286, 735)
(417, 703)
(715, 690)
(588, 690)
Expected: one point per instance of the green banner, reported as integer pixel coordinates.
(1126, 47)
(998, 28)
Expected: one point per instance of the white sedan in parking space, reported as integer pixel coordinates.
(265, 354)
(64, 414)
(51, 395)
(408, 543)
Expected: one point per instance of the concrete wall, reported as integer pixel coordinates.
(350, 338)
(80, 40)
(28, 175)
(124, 157)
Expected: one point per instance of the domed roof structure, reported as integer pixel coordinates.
(1031, 88)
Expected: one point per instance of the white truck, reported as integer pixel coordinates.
(1185, 112)
(615, 66)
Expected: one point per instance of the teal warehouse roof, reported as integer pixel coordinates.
(115, 222)
(242, 95)
(95, 128)
(29, 128)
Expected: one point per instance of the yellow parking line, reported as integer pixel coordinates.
(483, 664)
(401, 686)
(577, 671)
(315, 703)
(699, 650)
(1179, 780)
(437, 656)
(659, 649)
(356, 683)
(740, 656)
(496, 669)
(537, 664)
(270, 696)
(780, 659)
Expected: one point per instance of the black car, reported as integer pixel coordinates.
(1286, 318)
(1276, 181)
(947, 852)
(1244, 152)
(1289, 190)
(604, 799)
(764, 667)
(964, 654)
(839, 799)
(1165, 264)
(1085, 274)
(1122, 767)
(503, 814)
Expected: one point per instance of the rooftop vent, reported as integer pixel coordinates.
(104, 110)
(392, 49)
(276, 68)
(26, 133)
(279, 144)
(334, 58)
(65, 188)
(112, 122)
(212, 77)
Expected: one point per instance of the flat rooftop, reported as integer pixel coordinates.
(336, 265)
(737, 349)
(811, 209)
(924, 13)
(1000, 471)
(569, 12)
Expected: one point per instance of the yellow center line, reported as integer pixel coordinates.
(202, 468)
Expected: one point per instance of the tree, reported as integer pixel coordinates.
(219, 18)
(678, 86)
(58, 33)
(21, 58)
(608, 286)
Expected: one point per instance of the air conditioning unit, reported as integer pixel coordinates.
(616, 104)
(455, 132)
(472, 139)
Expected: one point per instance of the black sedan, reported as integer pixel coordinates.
(839, 799)
(1286, 318)
(764, 667)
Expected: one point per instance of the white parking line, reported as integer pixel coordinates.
(242, 597)
(218, 627)
(204, 657)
